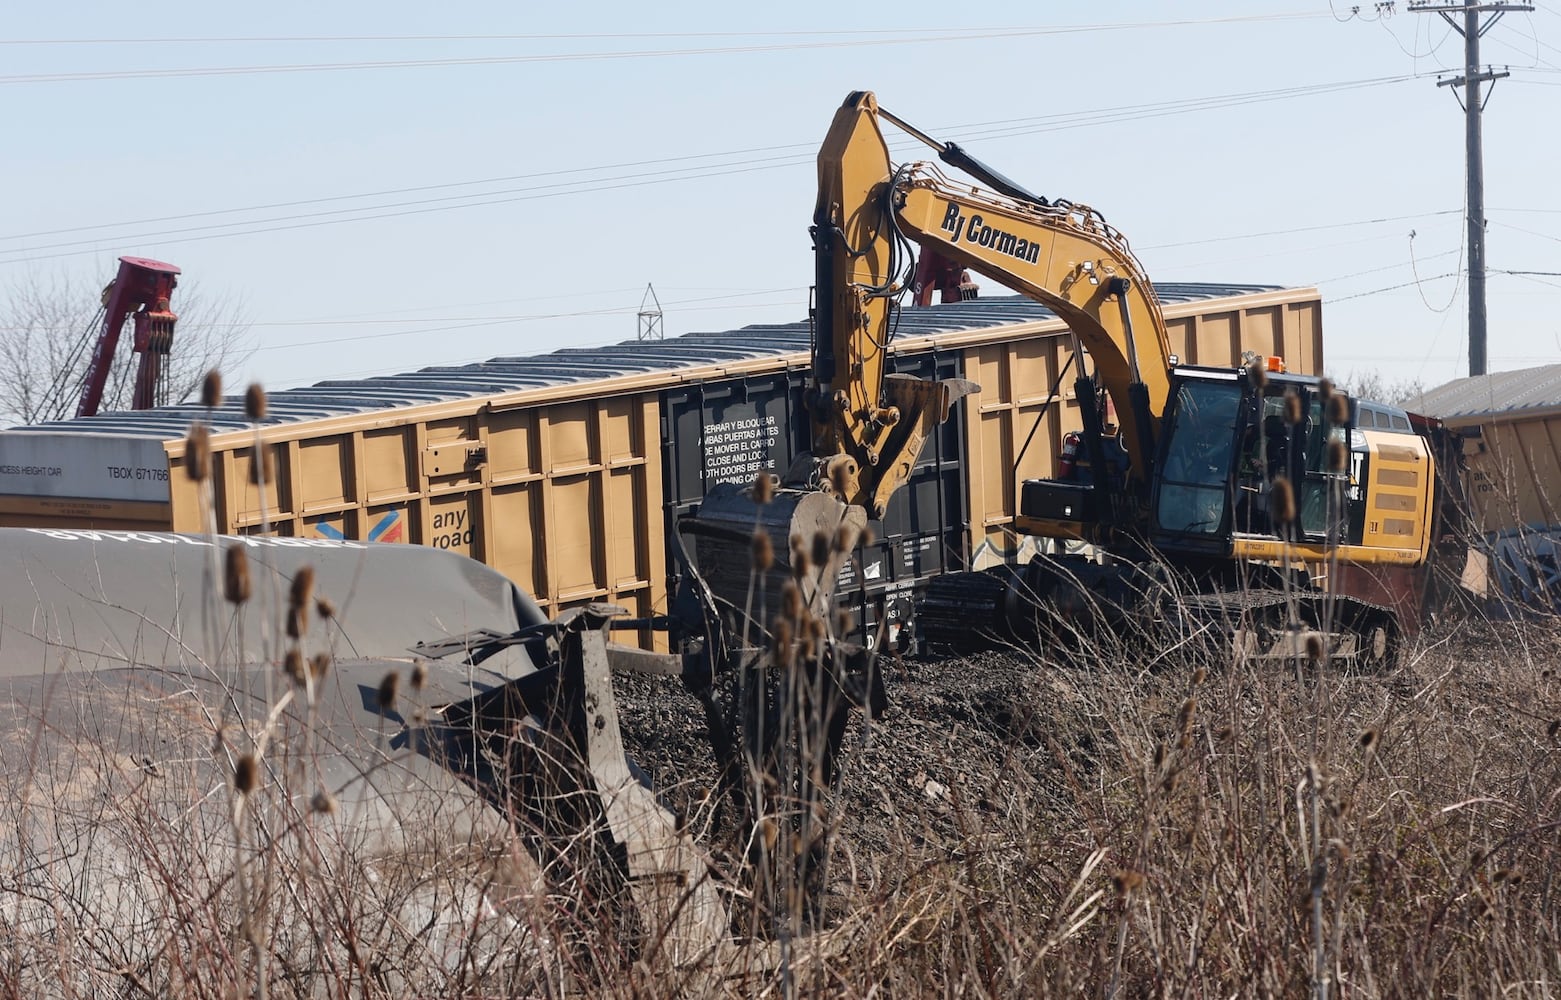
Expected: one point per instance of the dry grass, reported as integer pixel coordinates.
(1130, 822)
(1018, 826)
(1230, 831)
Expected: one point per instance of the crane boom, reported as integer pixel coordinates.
(143, 287)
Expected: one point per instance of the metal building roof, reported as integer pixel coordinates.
(1509, 395)
(571, 365)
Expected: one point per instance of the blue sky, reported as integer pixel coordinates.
(488, 179)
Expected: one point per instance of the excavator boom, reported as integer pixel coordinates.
(1066, 257)
(870, 219)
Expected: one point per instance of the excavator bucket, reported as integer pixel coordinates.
(922, 406)
(808, 534)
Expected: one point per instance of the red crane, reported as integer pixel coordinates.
(142, 287)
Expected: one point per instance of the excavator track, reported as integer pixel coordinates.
(1272, 624)
(1027, 605)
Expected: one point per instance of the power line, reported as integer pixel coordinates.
(386, 192)
(1001, 128)
(1306, 229)
(476, 323)
(939, 33)
(1007, 128)
(1391, 288)
(276, 68)
(1378, 270)
(1528, 232)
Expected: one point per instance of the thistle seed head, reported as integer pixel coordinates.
(799, 556)
(297, 623)
(1338, 407)
(255, 402)
(820, 551)
(197, 453)
(324, 608)
(1281, 503)
(419, 677)
(1257, 371)
(1338, 456)
(323, 802)
(1184, 717)
(780, 637)
(293, 666)
(319, 666)
(211, 390)
(1369, 738)
(791, 600)
(763, 550)
(1126, 880)
(840, 474)
(813, 630)
(388, 688)
(1293, 414)
(235, 576)
(763, 488)
(262, 467)
(246, 774)
(1314, 647)
(302, 589)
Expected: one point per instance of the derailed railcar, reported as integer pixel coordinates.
(567, 471)
(239, 759)
(156, 752)
(1508, 427)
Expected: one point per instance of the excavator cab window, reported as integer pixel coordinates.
(1199, 453)
(1316, 480)
(1270, 448)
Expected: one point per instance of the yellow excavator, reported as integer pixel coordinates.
(1247, 492)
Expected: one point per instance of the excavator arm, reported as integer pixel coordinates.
(868, 425)
(869, 215)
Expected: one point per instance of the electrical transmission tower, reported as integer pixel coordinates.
(650, 327)
(1471, 26)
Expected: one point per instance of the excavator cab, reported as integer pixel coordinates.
(1227, 438)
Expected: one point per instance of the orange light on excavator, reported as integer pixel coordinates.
(1274, 363)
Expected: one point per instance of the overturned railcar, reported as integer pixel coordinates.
(165, 781)
(566, 471)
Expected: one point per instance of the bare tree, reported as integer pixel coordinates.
(49, 325)
(1375, 386)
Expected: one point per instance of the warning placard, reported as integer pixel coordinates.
(735, 451)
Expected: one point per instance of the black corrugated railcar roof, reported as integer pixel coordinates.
(571, 365)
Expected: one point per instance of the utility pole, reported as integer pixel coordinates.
(1471, 26)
